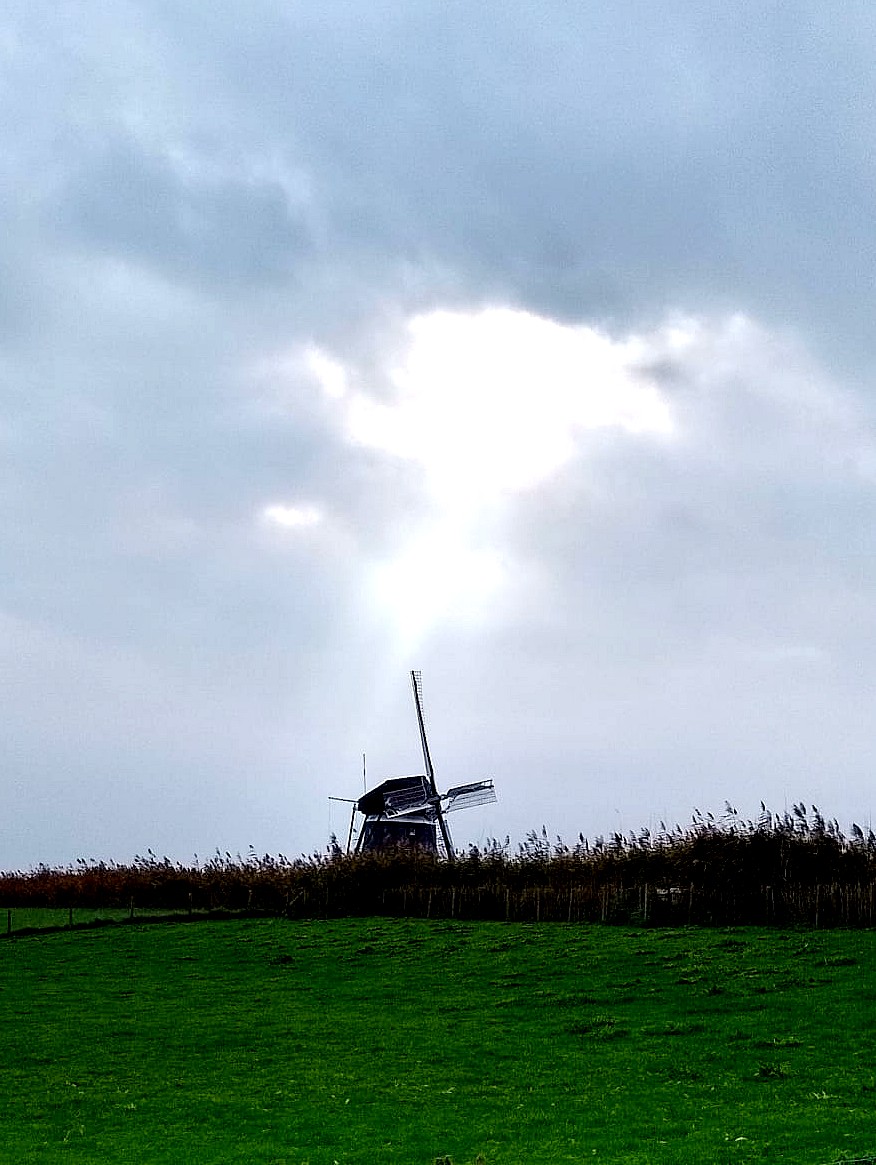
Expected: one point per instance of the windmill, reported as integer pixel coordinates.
(410, 810)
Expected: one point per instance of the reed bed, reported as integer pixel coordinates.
(797, 868)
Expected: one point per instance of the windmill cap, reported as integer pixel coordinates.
(374, 801)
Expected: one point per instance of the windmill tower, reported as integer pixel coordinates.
(410, 810)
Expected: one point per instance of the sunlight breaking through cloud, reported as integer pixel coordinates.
(495, 401)
(488, 404)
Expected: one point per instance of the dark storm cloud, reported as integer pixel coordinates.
(219, 230)
(566, 156)
(566, 159)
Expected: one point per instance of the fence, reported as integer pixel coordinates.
(831, 905)
(28, 919)
(644, 904)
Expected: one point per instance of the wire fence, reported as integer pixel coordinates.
(643, 904)
(22, 920)
(826, 906)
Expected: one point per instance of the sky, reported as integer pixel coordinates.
(526, 344)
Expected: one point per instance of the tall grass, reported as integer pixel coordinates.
(793, 868)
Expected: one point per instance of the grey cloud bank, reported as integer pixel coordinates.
(198, 199)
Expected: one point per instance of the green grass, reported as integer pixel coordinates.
(42, 917)
(400, 1041)
(18, 918)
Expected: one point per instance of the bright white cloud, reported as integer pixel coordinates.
(496, 401)
(491, 404)
(292, 517)
(488, 404)
(330, 373)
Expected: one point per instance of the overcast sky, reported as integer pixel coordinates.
(528, 344)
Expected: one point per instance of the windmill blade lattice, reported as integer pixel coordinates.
(415, 800)
(417, 685)
(467, 796)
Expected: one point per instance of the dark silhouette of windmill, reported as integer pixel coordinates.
(409, 811)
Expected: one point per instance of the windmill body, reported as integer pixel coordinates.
(409, 811)
(385, 828)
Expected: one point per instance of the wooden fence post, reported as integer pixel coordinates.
(9, 922)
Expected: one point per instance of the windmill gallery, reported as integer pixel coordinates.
(409, 811)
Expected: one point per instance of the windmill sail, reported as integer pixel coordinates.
(415, 799)
(467, 796)
(417, 685)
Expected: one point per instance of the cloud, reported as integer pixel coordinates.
(493, 401)
(569, 163)
(292, 517)
(186, 214)
(483, 405)
(530, 345)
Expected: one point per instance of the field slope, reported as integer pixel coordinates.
(387, 1040)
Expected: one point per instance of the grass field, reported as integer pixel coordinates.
(357, 1041)
(42, 917)
(19, 918)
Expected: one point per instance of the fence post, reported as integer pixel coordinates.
(131, 907)
(645, 910)
(9, 922)
(69, 915)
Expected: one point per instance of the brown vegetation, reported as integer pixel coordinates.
(796, 868)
